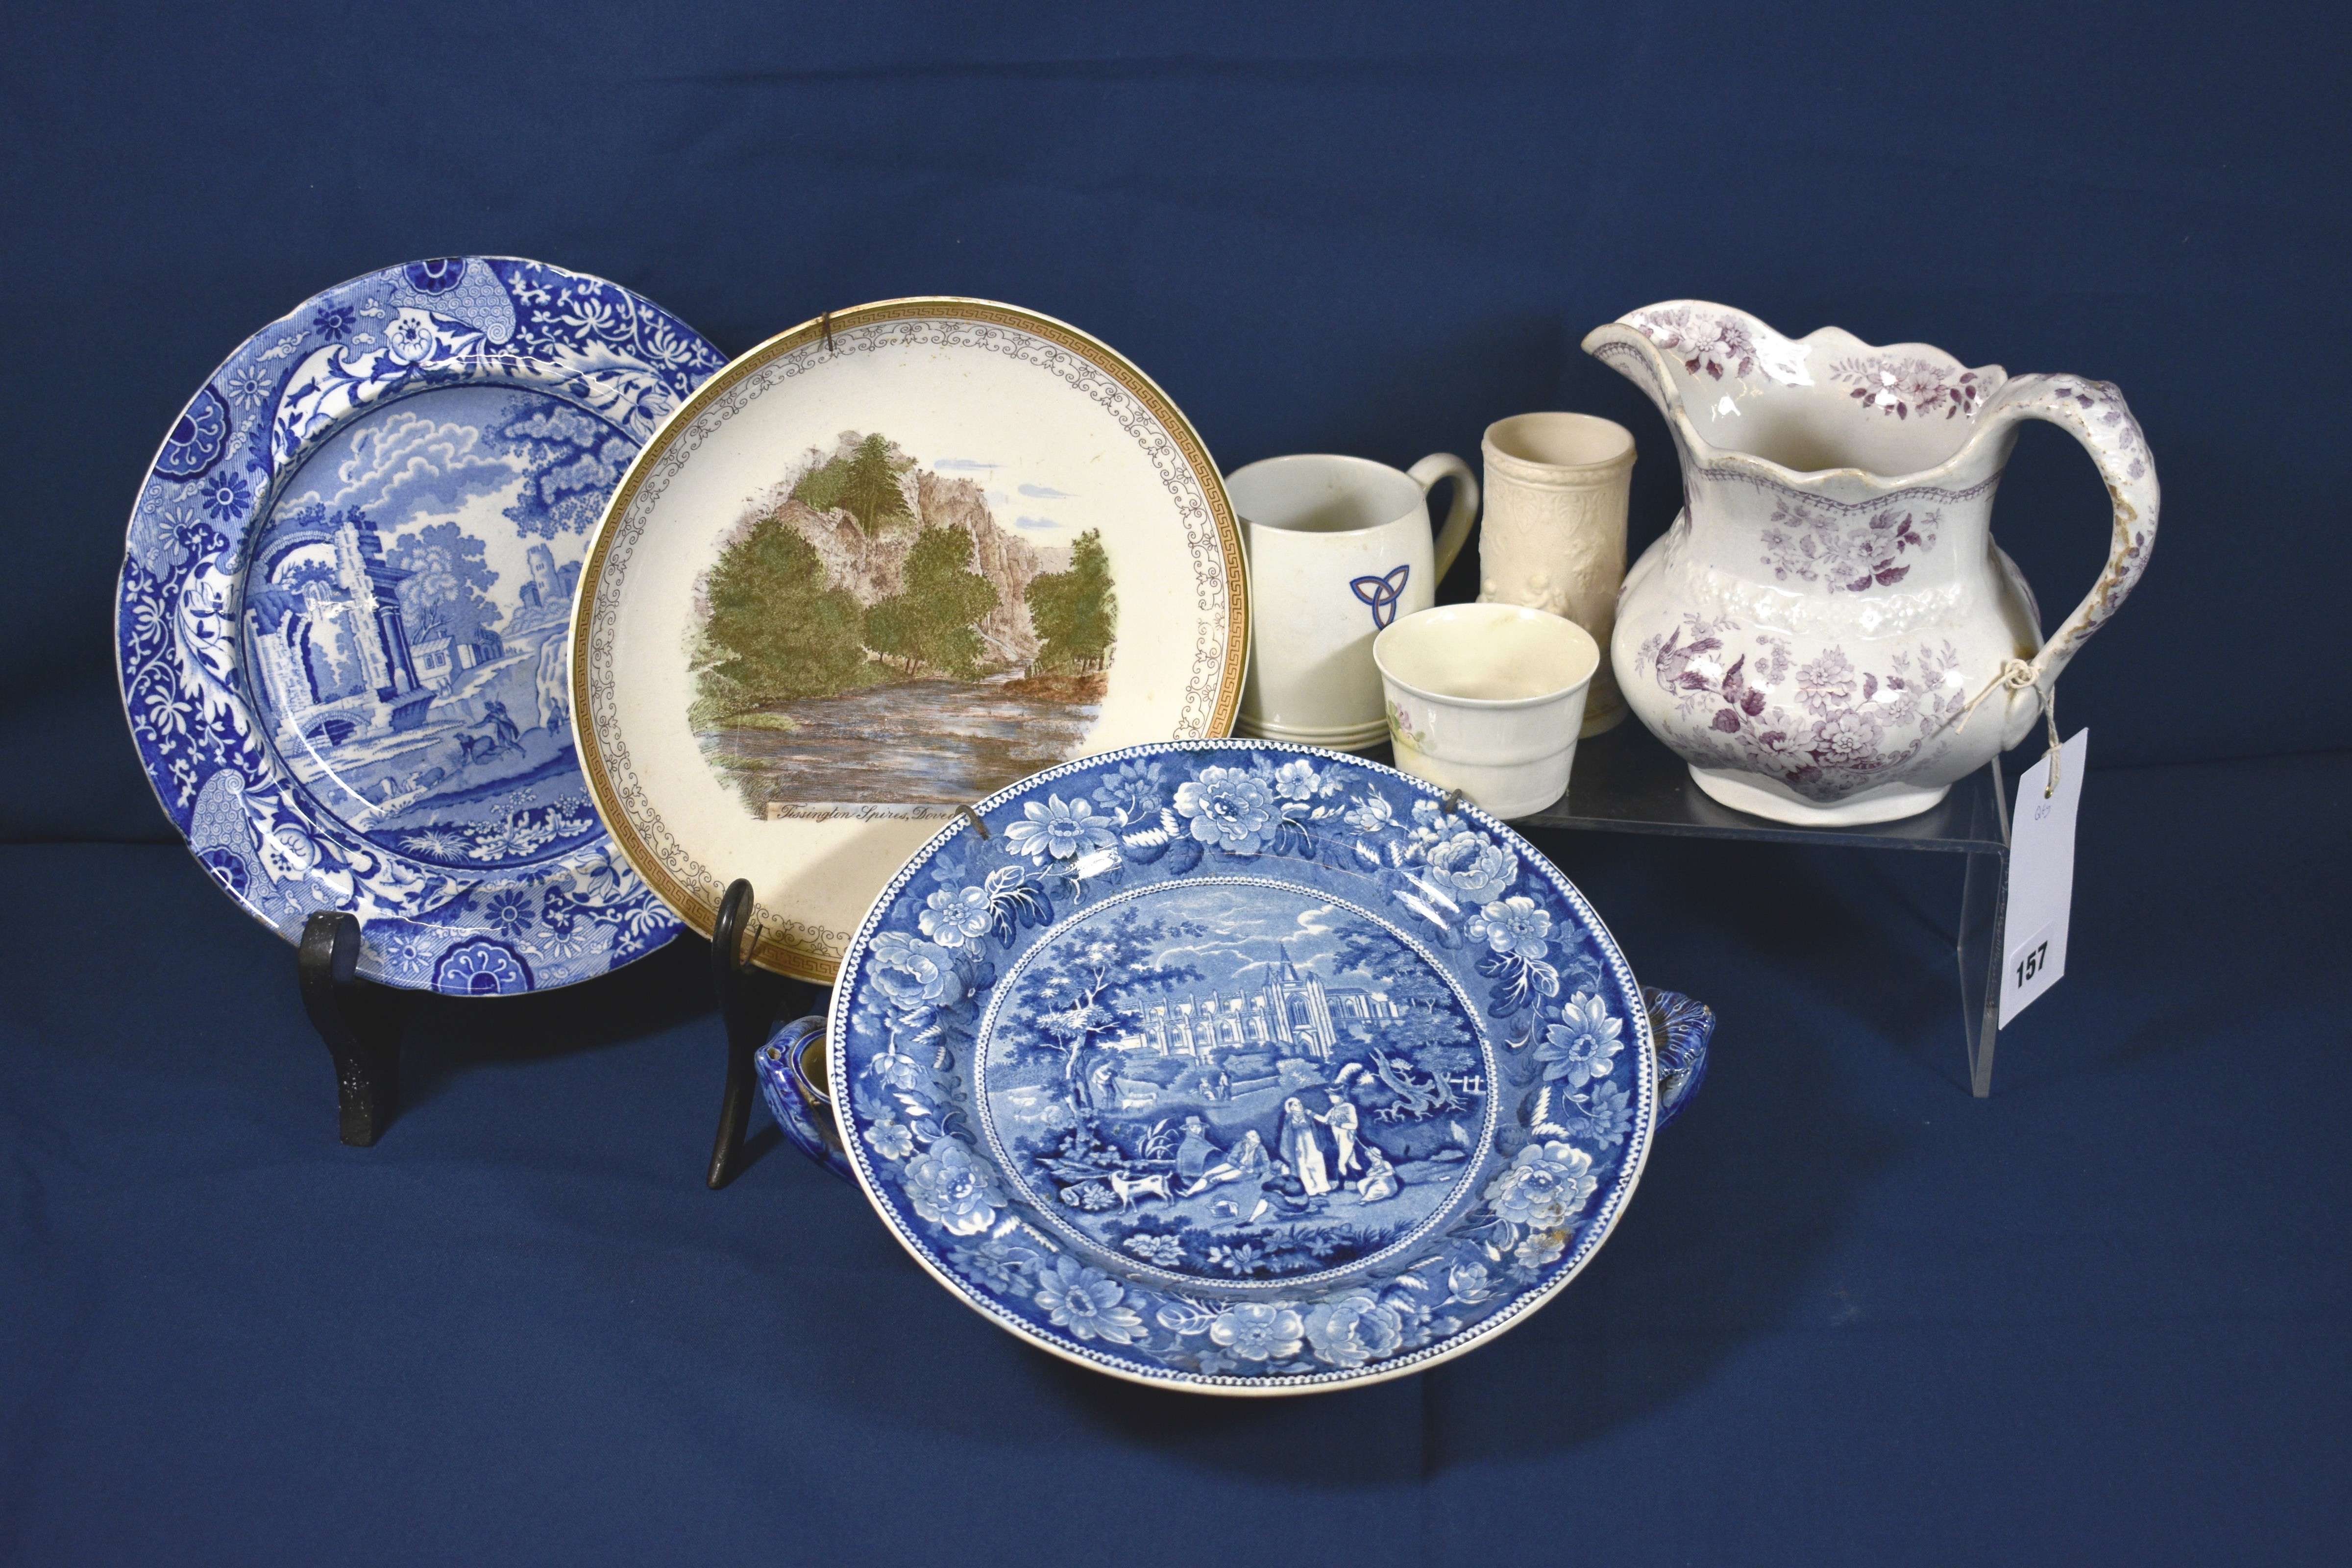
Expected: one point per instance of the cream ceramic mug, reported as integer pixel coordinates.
(1338, 549)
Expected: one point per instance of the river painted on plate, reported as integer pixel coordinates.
(918, 742)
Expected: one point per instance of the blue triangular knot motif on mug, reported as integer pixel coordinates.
(1382, 593)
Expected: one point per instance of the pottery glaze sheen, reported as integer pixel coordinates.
(1339, 549)
(1822, 643)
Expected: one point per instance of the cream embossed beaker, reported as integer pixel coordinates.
(1554, 534)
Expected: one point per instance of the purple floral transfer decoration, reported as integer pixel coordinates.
(1825, 728)
(1707, 344)
(1813, 545)
(1904, 386)
(2102, 408)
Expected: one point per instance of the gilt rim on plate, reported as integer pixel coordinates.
(679, 874)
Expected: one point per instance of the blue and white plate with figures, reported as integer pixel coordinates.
(342, 620)
(1241, 1068)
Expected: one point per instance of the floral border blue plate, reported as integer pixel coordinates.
(342, 621)
(1241, 1068)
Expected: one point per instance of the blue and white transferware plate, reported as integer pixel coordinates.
(1241, 1068)
(342, 620)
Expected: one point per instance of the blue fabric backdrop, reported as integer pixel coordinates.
(1852, 1315)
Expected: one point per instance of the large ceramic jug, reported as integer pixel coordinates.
(1828, 634)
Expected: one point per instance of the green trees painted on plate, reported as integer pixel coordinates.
(865, 481)
(1076, 612)
(932, 621)
(776, 631)
(779, 631)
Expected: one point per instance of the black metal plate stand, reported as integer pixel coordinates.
(751, 1001)
(359, 1020)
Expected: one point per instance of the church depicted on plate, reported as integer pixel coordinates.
(1293, 1014)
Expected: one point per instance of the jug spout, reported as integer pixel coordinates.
(1631, 353)
(1740, 396)
(1696, 357)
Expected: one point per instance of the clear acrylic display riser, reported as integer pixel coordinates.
(1625, 781)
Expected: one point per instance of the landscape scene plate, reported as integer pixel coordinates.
(1241, 1067)
(344, 602)
(878, 568)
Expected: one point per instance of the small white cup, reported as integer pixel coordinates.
(1488, 698)
(1338, 548)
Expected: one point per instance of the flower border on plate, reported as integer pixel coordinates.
(1368, 1321)
(179, 647)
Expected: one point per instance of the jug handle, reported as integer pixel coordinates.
(2094, 414)
(1461, 515)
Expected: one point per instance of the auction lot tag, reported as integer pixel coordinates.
(2041, 876)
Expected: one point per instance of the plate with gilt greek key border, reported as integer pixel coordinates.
(1241, 1068)
(880, 567)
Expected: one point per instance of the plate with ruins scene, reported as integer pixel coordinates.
(880, 567)
(343, 608)
(1240, 1068)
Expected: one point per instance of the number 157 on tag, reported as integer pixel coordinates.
(2041, 876)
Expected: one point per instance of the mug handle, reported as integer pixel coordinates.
(1464, 511)
(2094, 413)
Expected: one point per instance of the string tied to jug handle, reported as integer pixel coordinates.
(2017, 675)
